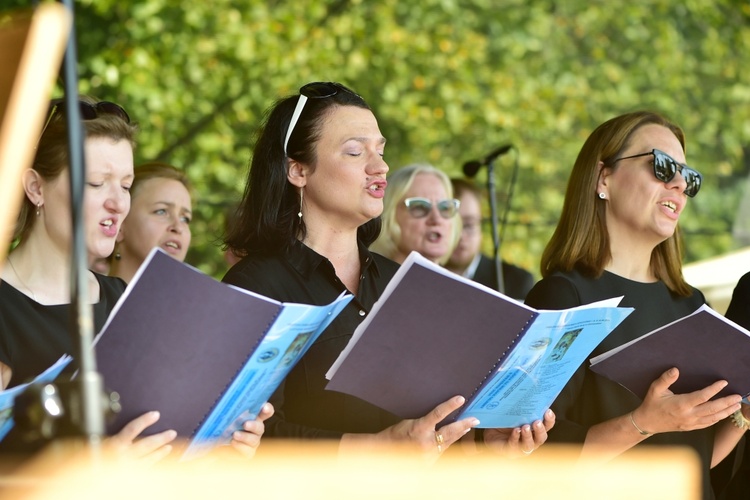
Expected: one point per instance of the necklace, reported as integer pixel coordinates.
(27, 287)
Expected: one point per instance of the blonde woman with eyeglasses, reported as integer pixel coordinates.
(419, 215)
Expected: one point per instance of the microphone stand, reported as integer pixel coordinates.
(86, 397)
(496, 241)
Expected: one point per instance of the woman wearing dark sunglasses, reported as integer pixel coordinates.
(419, 215)
(618, 235)
(310, 210)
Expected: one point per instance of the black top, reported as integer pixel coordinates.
(33, 336)
(590, 398)
(304, 409)
(739, 487)
(739, 308)
(517, 281)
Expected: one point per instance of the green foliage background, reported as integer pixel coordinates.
(449, 80)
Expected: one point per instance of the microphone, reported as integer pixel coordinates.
(471, 168)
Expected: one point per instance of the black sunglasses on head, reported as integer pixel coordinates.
(314, 90)
(88, 111)
(421, 207)
(666, 167)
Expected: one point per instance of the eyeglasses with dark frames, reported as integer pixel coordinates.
(666, 167)
(314, 90)
(421, 207)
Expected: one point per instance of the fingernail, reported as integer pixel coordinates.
(526, 428)
(475, 422)
(154, 414)
(548, 414)
(460, 400)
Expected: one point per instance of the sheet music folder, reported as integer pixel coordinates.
(704, 346)
(205, 354)
(434, 334)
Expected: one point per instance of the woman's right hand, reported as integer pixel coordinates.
(422, 432)
(152, 448)
(664, 411)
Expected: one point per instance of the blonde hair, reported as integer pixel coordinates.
(398, 185)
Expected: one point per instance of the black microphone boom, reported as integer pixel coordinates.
(471, 168)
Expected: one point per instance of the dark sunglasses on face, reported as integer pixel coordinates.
(314, 90)
(421, 207)
(666, 167)
(88, 111)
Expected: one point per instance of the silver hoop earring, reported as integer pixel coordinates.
(602, 196)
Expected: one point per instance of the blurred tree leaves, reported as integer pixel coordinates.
(449, 80)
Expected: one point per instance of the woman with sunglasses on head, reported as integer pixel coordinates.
(311, 208)
(35, 290)
(419, 215)
(160, 215)
(618, 235)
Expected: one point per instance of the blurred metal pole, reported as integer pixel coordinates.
(89, 381)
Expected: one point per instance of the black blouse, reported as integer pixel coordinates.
(33, 336)
(589, 398)
(739, 308)
(304, 409)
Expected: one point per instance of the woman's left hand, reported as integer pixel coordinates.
(247, 440)
(520, 441)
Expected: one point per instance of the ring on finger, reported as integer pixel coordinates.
(439, 440)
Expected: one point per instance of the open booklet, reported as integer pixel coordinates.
(704, 346)
(434, 334)
(8, 396)
(205, 354)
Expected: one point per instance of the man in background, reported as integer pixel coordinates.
(467, 258)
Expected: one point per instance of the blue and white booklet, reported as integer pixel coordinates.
(434, 334)
(8, 396)
(205, 354)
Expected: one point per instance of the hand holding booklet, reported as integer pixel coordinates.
(205, 354)
(434, 334)
(704, 346)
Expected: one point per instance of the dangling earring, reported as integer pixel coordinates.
(117, 255)
(38, 208)
(301, 195)
(602, 196)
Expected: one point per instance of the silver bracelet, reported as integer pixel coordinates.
(640, 431)
(740, 420)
